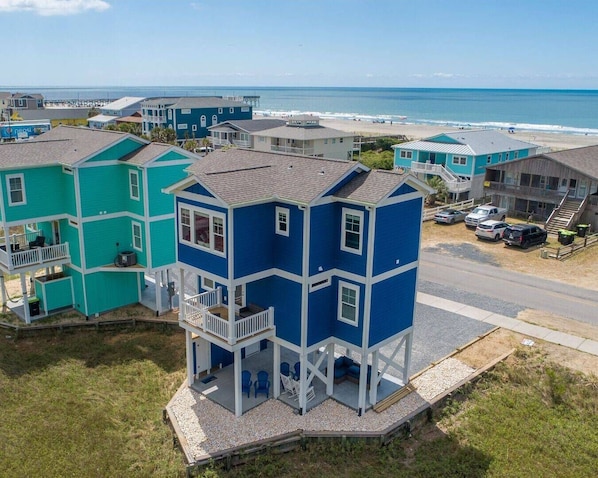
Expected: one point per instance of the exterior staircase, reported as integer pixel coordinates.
(564, 216)
(454, 183)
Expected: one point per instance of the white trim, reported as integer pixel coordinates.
(211, 239)
(399, 199)
(394, 272)
(67, 170)
(353, 212)
(355, 288)
(204, 284)
(134, 174)
(9, 190)
(285, 222)
(139, 247)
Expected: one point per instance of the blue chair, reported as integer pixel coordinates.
(297, 368)
(262, 384)
(285, 368)
(246, 382)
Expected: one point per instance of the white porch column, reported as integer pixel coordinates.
(181, 293)
(363, 383)
(189, 350)
(158, 292)
(25, 291)
(374, 381)
(302, 383)
(276, 371)
(238, 389)
(330, 370)
(407, 361)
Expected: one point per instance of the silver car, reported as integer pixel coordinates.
(491, 230)
(449, 216)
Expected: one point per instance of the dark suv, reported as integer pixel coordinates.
(524, 235)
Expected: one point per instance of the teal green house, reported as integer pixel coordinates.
(84, 221)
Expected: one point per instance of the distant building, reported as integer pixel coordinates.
(26, 101)
(20, 130)
(461, 158)
(241, 132)
(303, 134)
(191, 116)
(4, 102)
(111, 112)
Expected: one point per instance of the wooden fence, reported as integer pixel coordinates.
(564, 252)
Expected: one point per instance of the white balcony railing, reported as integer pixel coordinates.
(38, 255)
(291, 149)
(454, 183)
(196, 313)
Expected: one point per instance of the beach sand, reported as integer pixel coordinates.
(554, 141)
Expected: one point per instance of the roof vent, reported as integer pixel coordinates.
(321, 173)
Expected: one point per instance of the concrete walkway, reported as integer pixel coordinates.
(543, 333)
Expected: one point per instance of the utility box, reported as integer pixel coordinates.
(127, 259)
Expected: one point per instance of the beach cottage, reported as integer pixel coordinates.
(309, 262)
(84, 220)
(461, 158)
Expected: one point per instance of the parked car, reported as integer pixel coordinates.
(449, 216)
(524, 235)
(485, 213)
(491, 229)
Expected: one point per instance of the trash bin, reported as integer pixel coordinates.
(582, 229)
(566, 237)
(33, 306)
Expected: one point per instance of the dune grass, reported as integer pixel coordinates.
(90, 404)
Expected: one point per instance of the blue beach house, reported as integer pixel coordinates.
(190, 116)
(84, 221)
(461, 158)
(300, 255)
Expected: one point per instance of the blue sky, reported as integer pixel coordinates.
(393, 43)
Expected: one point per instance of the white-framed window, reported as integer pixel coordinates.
(460, 160)
(326, 141)
(348, 303)
(186, 111)
(207, 283)
(182, 126)
(231, 110)
(194, 127)
(262, 139)
(214, 120)
(340, 140)
(333, 140)
(169, 114)
(499, 157)
(15, 185)
(134, 185)
(351, 234)
(219, 111)
(136, 228)
(506, 156)
(202, 121)
(320, 284)
(406, 154)
(282, 221)
(244, 109)
(515, 154)
(202, 228)
(244, 136)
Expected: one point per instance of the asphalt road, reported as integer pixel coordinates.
(463, 276)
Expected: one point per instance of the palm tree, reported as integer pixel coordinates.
(441, 188)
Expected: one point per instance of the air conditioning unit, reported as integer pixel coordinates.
(127, 258)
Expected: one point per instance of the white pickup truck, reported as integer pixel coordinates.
(484, 213)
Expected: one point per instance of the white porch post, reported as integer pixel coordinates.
(158, 292)
(238, 389)
(363, 373)
(302, 383)
(276, 371)
(407, 361)
(374, 381)
(330, 369)
(189, 349)
(3, 286)
(24, 289)
(181, 293)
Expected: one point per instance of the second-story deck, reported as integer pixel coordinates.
(17, 255)
(206, 314)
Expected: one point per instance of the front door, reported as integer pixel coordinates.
(433, 158)
(572, 187)
(239, 297)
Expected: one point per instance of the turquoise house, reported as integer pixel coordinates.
(461, 158)
(84, 220)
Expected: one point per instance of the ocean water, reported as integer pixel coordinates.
(562, 111)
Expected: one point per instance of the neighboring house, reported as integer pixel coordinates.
(111, 112)
(4, 104)
(304, 254)
(241, 133)
(25, 101)
(560, 188)
(88, 202)
(191, 116)
(134, 118)
(303, 134)
(461, 158)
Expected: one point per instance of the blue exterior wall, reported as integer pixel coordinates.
(194, 118)
(324, 237)
(110, 290)
(254, 239)
(403, 189)
(347, 261)
(321, 314)
(394, 240)
(393, 302)
(288, 250)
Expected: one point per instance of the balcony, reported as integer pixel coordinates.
(206, 314)
(292, 149)
(454, 183)
(15, 260)
(525, 192)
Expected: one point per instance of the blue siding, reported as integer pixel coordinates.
(393, 303)
(288, 250)
(342, 330)
(324, 238)
(194, 118)
(254, 239)
(347, 261)
(285, 296)
(199, 189)
(322, 312)
(397, 235)
(403, 189)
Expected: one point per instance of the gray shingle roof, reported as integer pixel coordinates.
(371, 187)
(195, 102)
(304, 133)
(252, 125)
(239, 176)
(32, 153)
(470, 142)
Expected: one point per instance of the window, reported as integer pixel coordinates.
(136, 236)
(262, 139)
(406, 154)
(207, 283)
(16, 189)
(515, 154)
(499, 157)
(348, 303)
(244, 109)
(169, 114)
(488, 159)
(194, 127)
(506, 156)
(219, 111)
(460, 160)
(326, 141)
(351, 231)
(244, 137)
(202, 228)
(202, 121)
(186, 111)
(214, 120)
(134, 185)
(340, 140)
(231, 110)
(182, 126)
(282, 221)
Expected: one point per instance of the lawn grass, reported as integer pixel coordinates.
(90, 404)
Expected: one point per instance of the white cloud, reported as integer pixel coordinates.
(53, 7)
